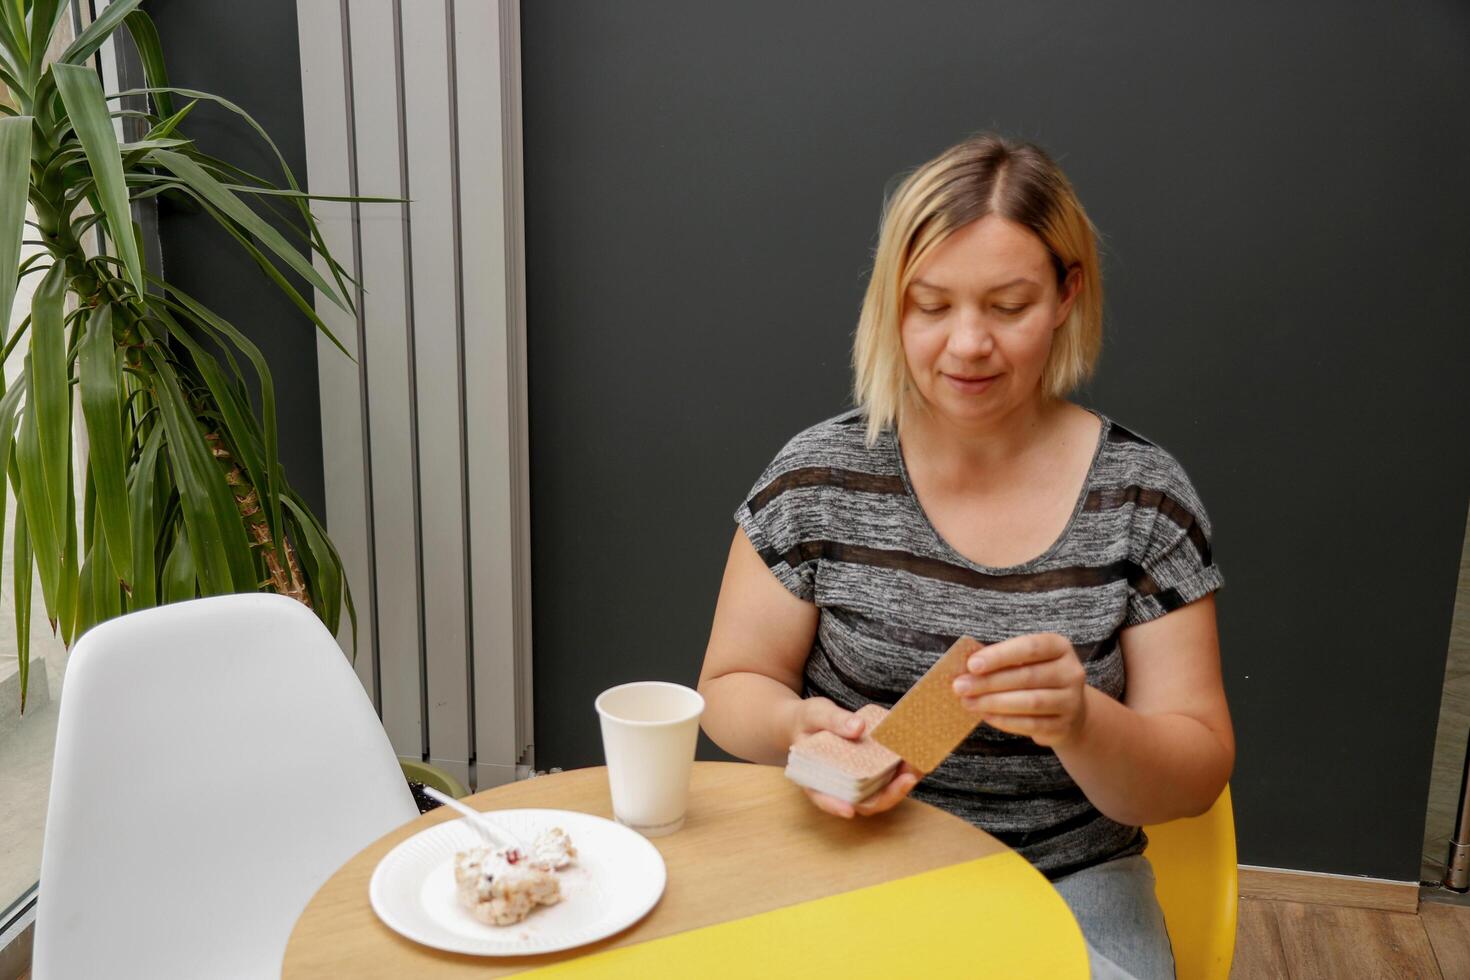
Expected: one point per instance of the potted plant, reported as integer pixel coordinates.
(181, 491)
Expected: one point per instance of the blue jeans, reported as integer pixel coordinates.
(1115, 905)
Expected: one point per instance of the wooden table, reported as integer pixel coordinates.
(760, 883)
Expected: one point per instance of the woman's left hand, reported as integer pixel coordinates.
(1030, 685)
(890, 796)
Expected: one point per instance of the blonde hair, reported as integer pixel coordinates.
(986, 174)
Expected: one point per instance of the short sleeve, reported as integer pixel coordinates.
(1174, 547)
(773, 518)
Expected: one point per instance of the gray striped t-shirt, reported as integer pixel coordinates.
(839, 525)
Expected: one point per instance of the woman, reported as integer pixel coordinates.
(966, 496)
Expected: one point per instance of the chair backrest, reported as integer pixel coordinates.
(216, 761)
(1195, 878)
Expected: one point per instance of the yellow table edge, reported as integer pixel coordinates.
(974, 919)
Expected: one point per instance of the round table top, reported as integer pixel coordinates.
(754, 860)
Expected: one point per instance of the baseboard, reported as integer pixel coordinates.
(488, 775)
(1317, 888)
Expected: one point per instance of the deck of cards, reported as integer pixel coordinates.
(923, 728)
(849, 769)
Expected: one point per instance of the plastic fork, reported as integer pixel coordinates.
(494, 834)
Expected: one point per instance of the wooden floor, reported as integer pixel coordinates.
(1294, 941)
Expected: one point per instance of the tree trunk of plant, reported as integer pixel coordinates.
(287, 579)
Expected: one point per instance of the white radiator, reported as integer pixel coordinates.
(424, 435)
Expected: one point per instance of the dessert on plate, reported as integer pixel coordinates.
(500, 886)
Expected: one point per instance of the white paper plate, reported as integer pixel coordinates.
(617, 879)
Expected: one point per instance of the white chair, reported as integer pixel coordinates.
(216, 761)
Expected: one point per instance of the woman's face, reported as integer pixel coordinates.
(978, 320)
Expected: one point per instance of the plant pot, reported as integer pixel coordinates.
(416, 771)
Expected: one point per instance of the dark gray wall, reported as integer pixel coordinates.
(247, 53)
(1281, 192)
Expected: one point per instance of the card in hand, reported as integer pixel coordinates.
(929, 721)
(848, 769)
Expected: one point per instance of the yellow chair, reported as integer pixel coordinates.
(1195, 879)
(422, 772)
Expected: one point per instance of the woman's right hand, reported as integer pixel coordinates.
(822, 714)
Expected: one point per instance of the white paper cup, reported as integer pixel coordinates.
(648, 733)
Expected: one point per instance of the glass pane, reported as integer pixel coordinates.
(26, 741)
